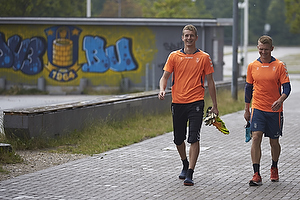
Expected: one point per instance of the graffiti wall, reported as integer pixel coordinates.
(65, 54)
(67, 51)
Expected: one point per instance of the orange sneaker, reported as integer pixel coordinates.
(274, 174)
(256, 180)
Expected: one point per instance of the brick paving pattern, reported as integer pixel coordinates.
(150, 169)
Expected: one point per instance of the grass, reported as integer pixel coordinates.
(18, 90)
(292, 63)
(7, 157)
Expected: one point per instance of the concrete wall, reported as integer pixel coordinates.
(61, 119)
(66, 55)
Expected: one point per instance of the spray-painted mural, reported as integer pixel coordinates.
(64, 54)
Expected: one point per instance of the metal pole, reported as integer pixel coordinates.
(88, 8)
(147, 77)
(246, 26)
(153, 76)
(234, 51)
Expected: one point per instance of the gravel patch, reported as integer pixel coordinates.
(35, 161)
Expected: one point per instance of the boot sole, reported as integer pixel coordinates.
(188, 184)
(252, 183)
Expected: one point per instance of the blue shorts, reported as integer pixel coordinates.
(270, 123)
(184, 113)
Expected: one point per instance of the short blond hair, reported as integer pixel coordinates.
(265, 39)
(190, 27)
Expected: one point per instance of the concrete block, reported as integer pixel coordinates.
(5, 147)
(2, 83)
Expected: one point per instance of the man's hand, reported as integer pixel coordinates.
(276, 105)
(161, 95)
(247, 115)
(215, 110)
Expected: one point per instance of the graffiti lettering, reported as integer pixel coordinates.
(117, 58)
(63, 76)
(95, 55)
(25, 55)
(6, 55)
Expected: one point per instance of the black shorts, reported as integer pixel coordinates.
(184, 113)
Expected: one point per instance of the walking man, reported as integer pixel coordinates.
(267, 85)
(189, 66)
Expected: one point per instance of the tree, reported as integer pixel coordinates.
(42, 8)
(257, 19)
(96, 7)
(128, 8)
(293, 14)
(175, 9)
(280, 31)
(219, 8)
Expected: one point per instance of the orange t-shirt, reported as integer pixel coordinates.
(189, 72)
(267, 79)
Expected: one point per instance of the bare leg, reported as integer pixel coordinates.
(193, 154)
(181, 150)
(275, 149)
(256, 147)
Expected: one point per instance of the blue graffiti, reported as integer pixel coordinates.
(25, 55)
(99, 59)
(6, 55)
(95, 55)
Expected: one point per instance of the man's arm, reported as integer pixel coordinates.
(163, 84)
(212, 92)
(286, 92)
(248, 98)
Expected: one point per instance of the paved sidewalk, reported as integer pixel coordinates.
(150, 169)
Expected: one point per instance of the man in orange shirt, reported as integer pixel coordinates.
(189, 66)
(268, 83)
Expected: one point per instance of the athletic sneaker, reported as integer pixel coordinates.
(274, 174)
(256, 180)
(189, 178)
(248, 134)
(182, 175)
(188, 182)
(220, 125)
(212, 119)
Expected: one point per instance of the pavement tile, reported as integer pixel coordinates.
(150, 169)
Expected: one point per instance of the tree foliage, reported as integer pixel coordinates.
(123, 8)
(257, 18)
(219, 8)
(282, 15)
(280, 31)
(293, 14)
(42, 8)
(174, 9)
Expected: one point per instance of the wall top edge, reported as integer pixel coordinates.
(117, 21)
